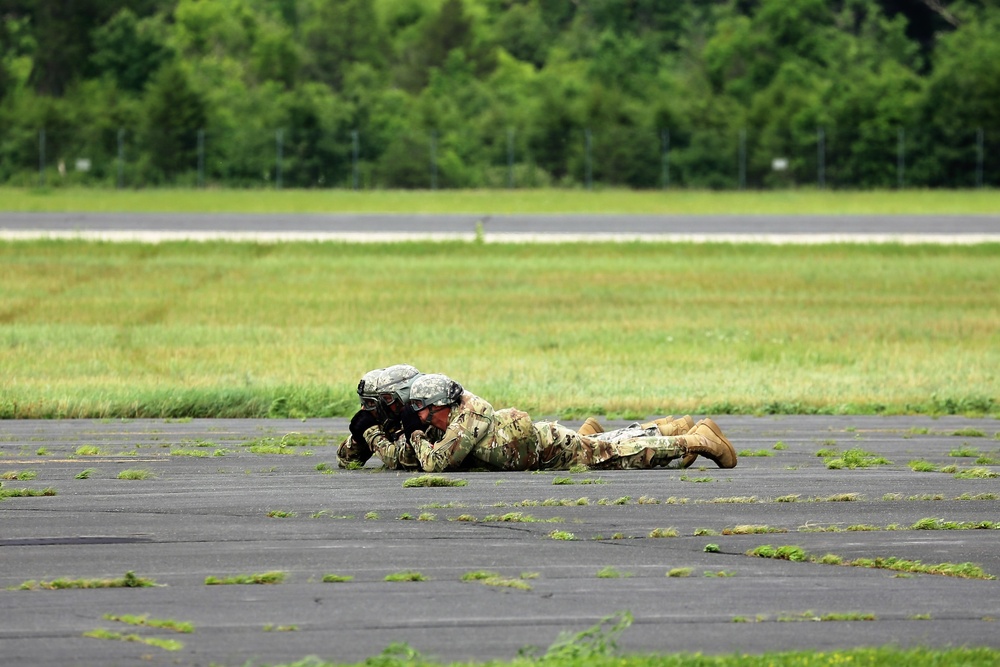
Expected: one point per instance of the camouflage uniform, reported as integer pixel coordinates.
(508, 440)
(465, 443)
(626, 449)
(393, 448)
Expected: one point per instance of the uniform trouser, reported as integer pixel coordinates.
(559, 448)
(519, 444)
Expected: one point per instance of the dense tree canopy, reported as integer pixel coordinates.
(499, 93)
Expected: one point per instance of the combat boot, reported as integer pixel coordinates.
(590, 427)
(688, 460)
(707, 440)
(671, 426)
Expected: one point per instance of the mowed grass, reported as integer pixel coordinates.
(626, 330)
(497, 202)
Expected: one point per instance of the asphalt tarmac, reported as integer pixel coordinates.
(156, 227)
(210, 509)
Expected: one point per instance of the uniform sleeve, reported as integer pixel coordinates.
(350, 454)
(468, 428)
(395, 454)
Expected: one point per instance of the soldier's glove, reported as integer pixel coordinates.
(411, 422)
(361, 422)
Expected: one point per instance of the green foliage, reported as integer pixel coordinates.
(599, 641)
(507, 93)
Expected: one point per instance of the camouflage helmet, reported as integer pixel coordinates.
(367, 391)
(394, 384)
(434, 389)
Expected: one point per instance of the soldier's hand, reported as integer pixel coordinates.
(361, 422)
(411, 422)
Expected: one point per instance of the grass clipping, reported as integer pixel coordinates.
(433, 480)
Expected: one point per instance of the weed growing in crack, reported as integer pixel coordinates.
(856, 458)
(432, 480)
(562, 535)
(19, 475)
(130, 580)
(663, 532)
(273, 577)
(611, 573)
(409, 575)
(183, 627)
(136, 474)
(165, 644)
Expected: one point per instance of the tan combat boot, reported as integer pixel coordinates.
(590, 427)
(707, 440)
(689, 458)
(671, 426)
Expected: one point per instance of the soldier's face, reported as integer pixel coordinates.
(439, 416)
(392, 406)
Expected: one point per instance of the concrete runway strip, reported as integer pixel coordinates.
(202, 516)
(364, 228)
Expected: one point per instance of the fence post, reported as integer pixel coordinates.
(121, 157)
(434, 164)
(979, 157)
(510, 157)
(665, 152)
(743, 159)
(901, 159)
(355, 145)
(821, 157)
(589, 168)
(279, 138)
(41, 158)
(201, 158)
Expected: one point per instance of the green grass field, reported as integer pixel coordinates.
(495, 202)
(625, 330)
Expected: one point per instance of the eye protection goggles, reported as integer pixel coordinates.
(369, 403)
(418, 404)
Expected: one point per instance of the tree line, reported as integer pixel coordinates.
(501, 93)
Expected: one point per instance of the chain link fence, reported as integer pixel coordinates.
(309, 157)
